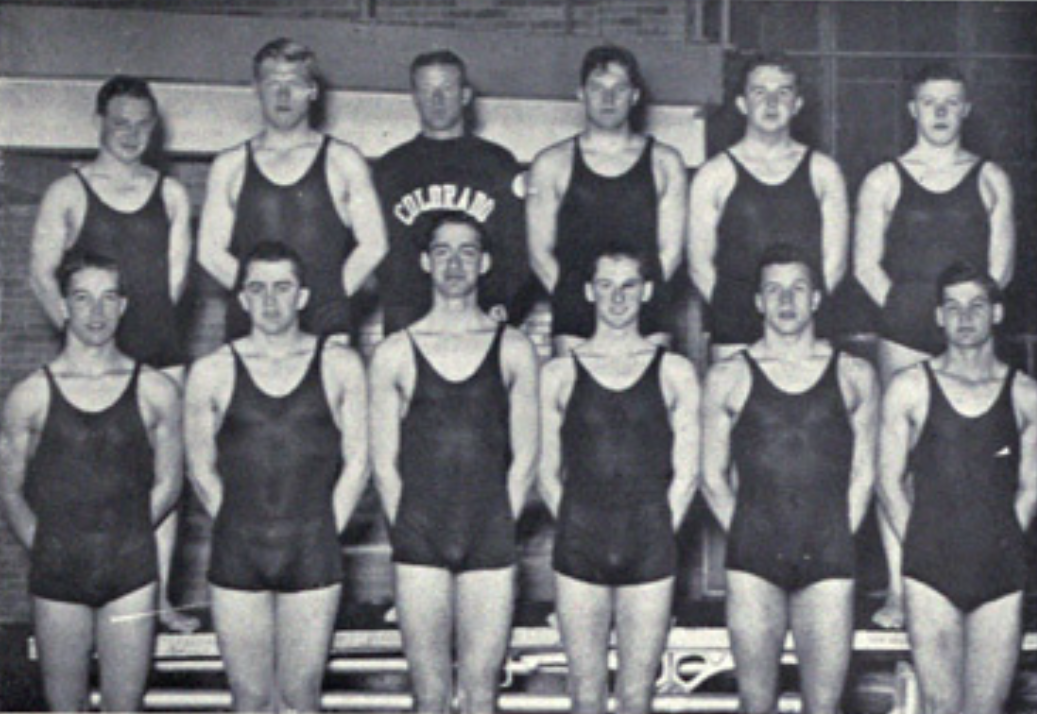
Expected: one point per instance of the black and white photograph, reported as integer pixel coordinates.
(476, 356)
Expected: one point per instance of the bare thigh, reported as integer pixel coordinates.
(642, 625)
(305, 624)
(484, 606)
(65, 640)
(425, 607)
(757, 618)
(585, 619)
(822, 625)
(244, 623)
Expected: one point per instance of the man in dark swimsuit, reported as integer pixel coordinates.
(768, 188)
(935, 204)
(628, 483)
(277, 423)
(119, 207)
(445, 167)
(90, 460)
(454, 398)
(294, 185)
(607, 184)
(795, 420)
(964, 425)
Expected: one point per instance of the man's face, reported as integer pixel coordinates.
(771, 99)
(787, 298)
(455, 259)
(94, 306)
(286, 92)
(617, 291)
(440, 96)
(272, 296)
(940, 108)
(126, 128)
(967, 315)
(608, 96)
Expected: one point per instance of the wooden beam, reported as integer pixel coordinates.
(91, 43)
(201, 119)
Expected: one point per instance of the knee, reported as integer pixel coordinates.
(758, 705)
(635, 697)
(301, 693)
(432, 700)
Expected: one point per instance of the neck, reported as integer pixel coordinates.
(608, 338)
(90, 359)
(762, 142)
(977, 361)
(113, 166)
(277, 137)
(937, 153)
(604, 137)
(790, 347)
(454, 314)
(455, 132)
(279, 344)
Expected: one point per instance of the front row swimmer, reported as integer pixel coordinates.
(90, 456)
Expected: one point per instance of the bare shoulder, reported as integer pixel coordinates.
(210, 370)
(1024, 393)
(339, 357)
(908, 386)
(28, 399)
(64, 192)
(346, 156)
(515, 343)
(678, 370)
(824, 166)
(882, 180)
(555, 157)
(228, 163)
(725, 376)
(557, 378)
(858, 370)
(995, 177)
(391, 354)
(716, 173)
(667, 157)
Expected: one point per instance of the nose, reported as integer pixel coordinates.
(941, 110)
(785, 297)
(618, 297)
(283, 92)
(97, 309)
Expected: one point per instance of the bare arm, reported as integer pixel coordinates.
(835, 219)
(895, 434)
(1025, 399)
(673, 210)
(51, 236)
(178, 206)
(997, 195)
(682, 388)
(705, 206)
(874, 209)
(203, 414)
(543, 201)
(165, 432)
(22, 418)
(365, 215)
(217, 225)
(522, 374)
(345, 373)
(718, 419)
(387, 402)
(864, 416)
(555, 387)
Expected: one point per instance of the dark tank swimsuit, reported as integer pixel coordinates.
(455, 451)
(302, 215)
(793, 453)
(599, 212)
(139, 242)
(756, 216)
(89, 484)
(279, 459)
(927, 232)
(963, 538)
(615, 526)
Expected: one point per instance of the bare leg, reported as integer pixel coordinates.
(642, 626)
(757, 618)
(937, 632)
(65, 637)
(993, 636)
(245, 632)
(484, 606)
(125, 642)
(585, 619)
(893, 357)
(305, 624)
(822, 625)
(424, 601)
(165, 538)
